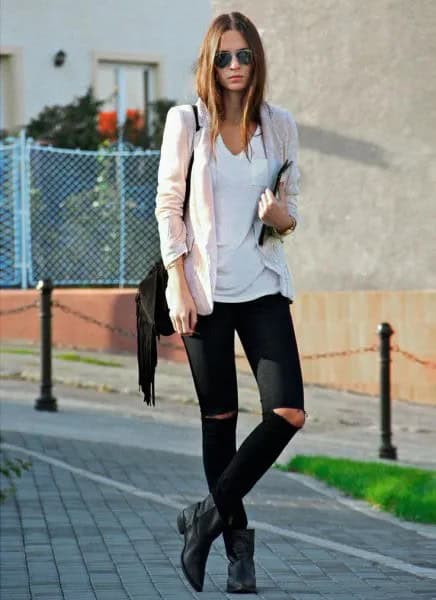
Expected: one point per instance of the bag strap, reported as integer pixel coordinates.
(188, 175)
(197, 123)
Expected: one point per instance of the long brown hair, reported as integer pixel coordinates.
(208, 88)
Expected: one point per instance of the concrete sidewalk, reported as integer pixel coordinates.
(339, 423)
(94, 517)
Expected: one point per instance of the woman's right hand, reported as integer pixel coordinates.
(183, 312)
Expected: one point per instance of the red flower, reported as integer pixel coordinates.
(107, 123)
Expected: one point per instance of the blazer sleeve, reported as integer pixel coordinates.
(173, 167)
(292, 176)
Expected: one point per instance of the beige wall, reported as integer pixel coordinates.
(360, 79)
(340, 321)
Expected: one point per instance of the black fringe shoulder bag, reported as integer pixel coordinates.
(152, 312)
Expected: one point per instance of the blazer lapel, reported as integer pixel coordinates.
(202, 186)
(204, 138)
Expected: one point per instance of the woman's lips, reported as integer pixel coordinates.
(236, 77)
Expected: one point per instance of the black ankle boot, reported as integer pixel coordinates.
(200, 523)
(239, 545)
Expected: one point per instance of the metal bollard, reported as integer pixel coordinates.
(386, 449)
(46, 401)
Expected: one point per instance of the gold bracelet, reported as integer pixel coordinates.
(289, 229)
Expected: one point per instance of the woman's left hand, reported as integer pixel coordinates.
(274, 211)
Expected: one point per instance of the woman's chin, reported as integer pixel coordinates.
(236, 86)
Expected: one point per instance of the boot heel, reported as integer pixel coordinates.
(181, 523)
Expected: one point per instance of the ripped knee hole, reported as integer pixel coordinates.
(295, 416)
(227, 415)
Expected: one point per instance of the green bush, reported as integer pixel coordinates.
(71, 126)
(10, 468)
(75, 125)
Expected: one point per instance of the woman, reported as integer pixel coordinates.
(222, 279)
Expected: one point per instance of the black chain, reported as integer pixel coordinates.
(19, 309)
(89, 319)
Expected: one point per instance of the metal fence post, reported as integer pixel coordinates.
(45, 401)
(121, 191)
(23, 208)
(121, 118)
(386, 449)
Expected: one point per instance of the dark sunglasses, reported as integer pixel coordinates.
(224, 58)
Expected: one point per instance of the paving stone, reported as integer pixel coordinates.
(75, 539)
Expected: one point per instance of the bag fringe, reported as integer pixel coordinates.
(146, 353)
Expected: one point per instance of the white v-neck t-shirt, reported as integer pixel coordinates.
(237, 187)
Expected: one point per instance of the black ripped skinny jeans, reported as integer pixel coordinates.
(265, 329)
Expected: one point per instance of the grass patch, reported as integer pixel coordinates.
(69, 356)
(407, 492)
(17, 351)
(73, 357)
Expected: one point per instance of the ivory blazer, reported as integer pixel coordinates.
(195, 236)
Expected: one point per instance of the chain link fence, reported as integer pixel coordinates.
(11, 224)
(82, 218)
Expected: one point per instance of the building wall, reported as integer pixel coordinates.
(360, 79)
(161, 31)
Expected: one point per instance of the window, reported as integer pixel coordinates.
(136, 84)
(7, 120)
